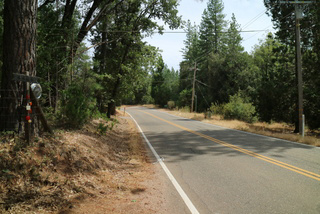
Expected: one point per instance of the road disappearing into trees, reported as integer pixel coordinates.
(228, 171)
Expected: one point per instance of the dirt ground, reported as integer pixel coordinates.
(133, 187)
(82, 171)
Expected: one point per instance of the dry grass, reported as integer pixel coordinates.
(277, 130)
(77, 171)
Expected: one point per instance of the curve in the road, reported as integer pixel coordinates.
(245, 151)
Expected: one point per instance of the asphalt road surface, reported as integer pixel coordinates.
(227, 171)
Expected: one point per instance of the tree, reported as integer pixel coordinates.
(165, 84)
(211, 28)
(234, 64)
(157, 82)
(284, 20)
(211, 45)
(274, 95)
(128, 24)
(1, 38)
(191, 50)
(19, 56)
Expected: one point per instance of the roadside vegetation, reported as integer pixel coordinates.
(273, 129)
(77, 170)
(100, 158)
(258, 87)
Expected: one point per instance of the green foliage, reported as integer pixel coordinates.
(240, 109)
(217, 109)
(212, 24)
(275, 93)
(185, 97)
(78, 105)
(284, 21)
(102, 128)
(126, 58)
(165, 84)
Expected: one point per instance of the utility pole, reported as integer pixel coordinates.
(193, 86)
(298, 13)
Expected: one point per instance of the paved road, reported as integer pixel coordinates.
(228, 171)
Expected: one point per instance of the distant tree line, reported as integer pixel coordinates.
(261, 85)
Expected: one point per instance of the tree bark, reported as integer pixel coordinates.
(19, 56)
(112, 103)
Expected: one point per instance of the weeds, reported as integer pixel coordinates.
(109, 124)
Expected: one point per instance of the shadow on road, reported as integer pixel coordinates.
(183, 145)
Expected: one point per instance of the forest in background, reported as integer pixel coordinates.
(124, 69)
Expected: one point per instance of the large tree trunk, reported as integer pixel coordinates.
(19, 45)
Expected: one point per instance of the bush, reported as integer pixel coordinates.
(207, 114)
(217, 109)
(77, 105)
(185, 109)
(239, 109)
(184, 97)
(171, 105)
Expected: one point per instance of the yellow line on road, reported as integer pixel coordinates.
(245, 151)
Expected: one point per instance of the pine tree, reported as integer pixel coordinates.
(19, 48)
(211, 28)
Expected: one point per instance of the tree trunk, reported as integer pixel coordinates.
(112, 103)
(19, 55)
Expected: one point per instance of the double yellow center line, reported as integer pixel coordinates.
(245, 151)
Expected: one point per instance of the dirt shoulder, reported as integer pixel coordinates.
(277, 130)
(82, 171)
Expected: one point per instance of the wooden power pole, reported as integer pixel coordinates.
(193, 86)
(298, 14)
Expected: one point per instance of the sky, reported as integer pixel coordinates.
(250, 15)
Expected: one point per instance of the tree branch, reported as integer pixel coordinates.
(45, 4)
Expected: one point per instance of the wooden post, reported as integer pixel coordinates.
(42, 118)
(193, 86)
(298, 14)
(27, 124)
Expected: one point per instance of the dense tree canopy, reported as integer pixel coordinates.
(126, 70)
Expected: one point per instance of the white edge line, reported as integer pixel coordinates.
(288, 141)
(183, 195)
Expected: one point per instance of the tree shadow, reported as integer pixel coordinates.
(175, 146)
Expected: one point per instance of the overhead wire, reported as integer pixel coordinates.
(253, 19)
(203, 96)
(289, 14)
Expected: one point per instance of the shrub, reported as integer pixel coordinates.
(102, 129)
(207, 114)
(184, 97)
(238, 108)
(78, 105)
(217, 109)
(185, 109)
(171, 105)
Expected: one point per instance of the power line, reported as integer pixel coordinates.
(253, 19)
(203, 83)
(268, 26)
(160, 32)
(203, 96)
